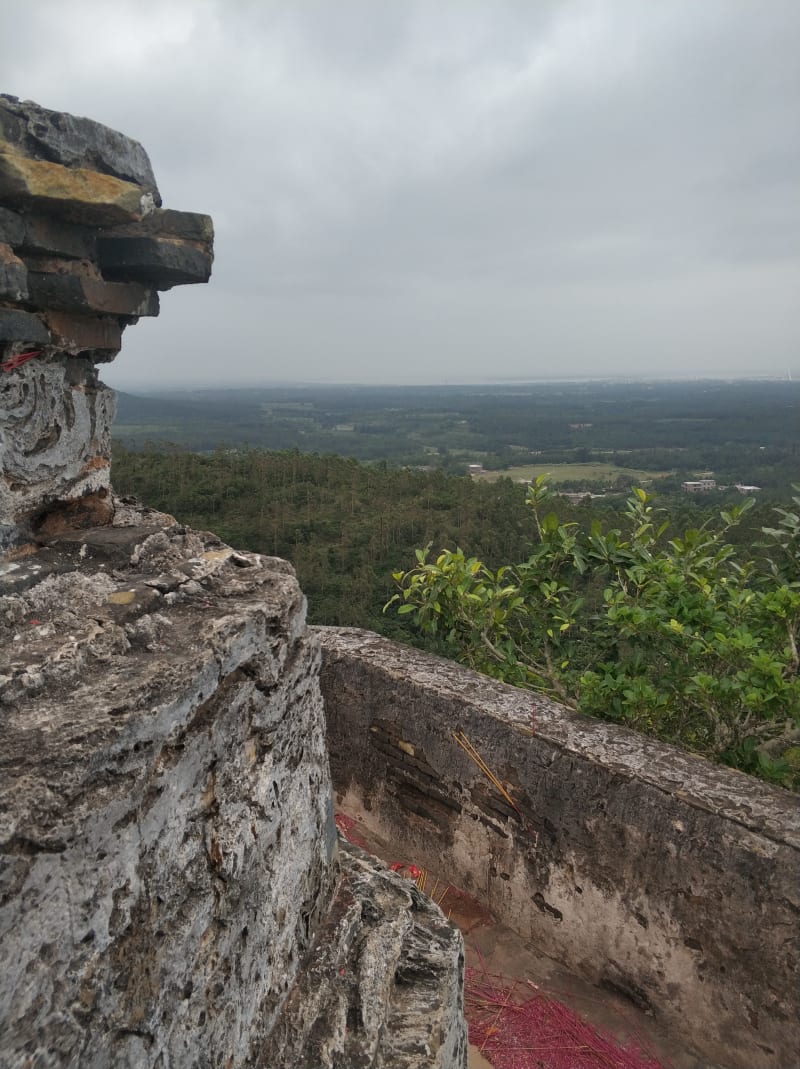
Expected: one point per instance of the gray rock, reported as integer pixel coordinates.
(22, 327)
(382, 987)
(165, 817)
(73, 141)
(55, 434)
(165, 262)
(12, 227)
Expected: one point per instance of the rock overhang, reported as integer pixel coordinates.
(85, 248)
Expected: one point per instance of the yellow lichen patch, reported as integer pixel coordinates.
(406, 747)
(122, 597)
(216, 554)
(98, 198)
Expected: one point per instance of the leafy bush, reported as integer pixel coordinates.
(686, 638)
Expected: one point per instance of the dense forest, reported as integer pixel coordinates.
(345, 526)
(348, 526)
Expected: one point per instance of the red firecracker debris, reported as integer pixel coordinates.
(18, 360)
(348, 829)
(540, 1032)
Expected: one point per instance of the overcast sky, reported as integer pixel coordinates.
(448, 190)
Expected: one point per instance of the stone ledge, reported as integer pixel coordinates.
(69, 292)
(699, 783)
(165, 262)
(73, 193)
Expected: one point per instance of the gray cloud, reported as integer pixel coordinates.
(415, 190)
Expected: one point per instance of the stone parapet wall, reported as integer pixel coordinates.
(642, 868)
(84, 249)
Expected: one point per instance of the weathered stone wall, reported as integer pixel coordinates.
(84, 250)
(641, 867)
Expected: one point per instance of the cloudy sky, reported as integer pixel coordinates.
(451, 190)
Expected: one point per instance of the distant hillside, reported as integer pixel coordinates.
(745, 431)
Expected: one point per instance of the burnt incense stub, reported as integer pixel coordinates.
(84, 249)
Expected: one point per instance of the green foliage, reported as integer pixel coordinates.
(691, 636)
(685, 638)
(342, 524)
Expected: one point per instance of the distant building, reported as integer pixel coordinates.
(475, 469)
(699, 486)
(578, 497)
(744, 489)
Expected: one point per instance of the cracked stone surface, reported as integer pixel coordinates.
(383, 986)
(165, 813)
(170, 886)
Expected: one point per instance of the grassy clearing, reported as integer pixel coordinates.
(560, 473)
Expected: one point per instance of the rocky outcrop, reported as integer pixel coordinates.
(167, 835)
(171, 888)
(170, 885)
(399, 991)
(84, 250)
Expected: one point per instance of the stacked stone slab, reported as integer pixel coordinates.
(84, 249)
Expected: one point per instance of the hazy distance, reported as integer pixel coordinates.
(447, 190)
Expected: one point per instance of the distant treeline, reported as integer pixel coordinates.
(743, 431)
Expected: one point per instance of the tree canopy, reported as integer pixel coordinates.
(684, 636)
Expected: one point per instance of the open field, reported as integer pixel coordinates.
(560, 473)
